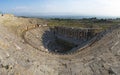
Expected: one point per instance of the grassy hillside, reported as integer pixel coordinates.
(85, 23)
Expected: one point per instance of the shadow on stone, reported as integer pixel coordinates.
(63, 39)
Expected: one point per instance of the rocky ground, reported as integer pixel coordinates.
(17, 57)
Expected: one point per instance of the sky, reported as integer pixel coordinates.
(61, 7)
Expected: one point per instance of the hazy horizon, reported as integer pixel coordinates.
(107, 8)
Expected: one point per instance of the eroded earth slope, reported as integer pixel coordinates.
(17, 57)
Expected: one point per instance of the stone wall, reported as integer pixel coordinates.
(74, 32)
(75, 35)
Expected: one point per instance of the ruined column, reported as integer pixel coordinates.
(74, 33)
(81, 34)
(84, 35)
(88, 33)
(78, 34)
(65, 32)
(68, 32)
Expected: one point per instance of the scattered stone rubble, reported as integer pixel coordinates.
(19, 58)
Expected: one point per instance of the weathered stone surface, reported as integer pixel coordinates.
(19, 58)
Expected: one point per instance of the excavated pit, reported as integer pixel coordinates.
(56, 44)
(66, 39)
(60, 39)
